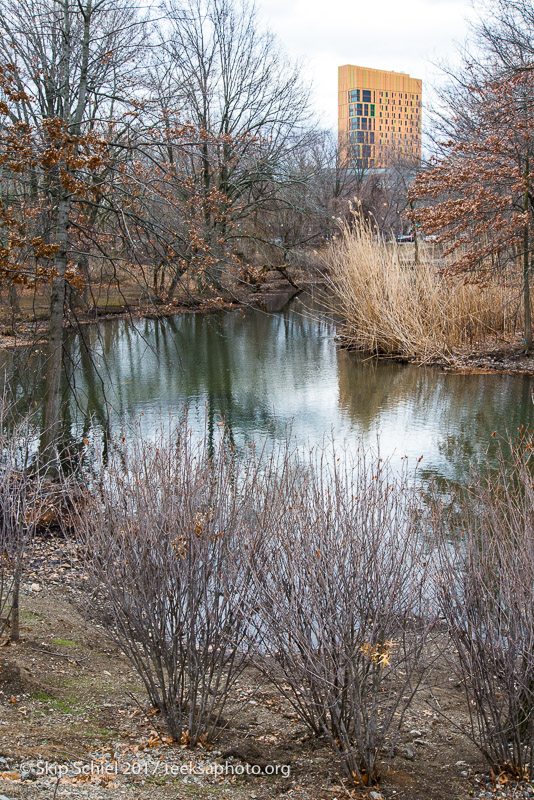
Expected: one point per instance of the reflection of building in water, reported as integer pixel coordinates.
(379, 117)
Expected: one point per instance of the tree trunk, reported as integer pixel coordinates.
(526, 300)
(13, 299)
(79, 296)
(54, 356)
(174, 284)
(15, 605)
(526, 265)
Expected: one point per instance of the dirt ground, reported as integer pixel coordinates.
(506, 357)
(75, 723)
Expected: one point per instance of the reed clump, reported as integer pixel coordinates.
(393, 304)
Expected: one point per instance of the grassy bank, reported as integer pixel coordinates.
(395, 305)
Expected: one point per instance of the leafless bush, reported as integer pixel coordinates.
(20, 490)
(314, 566)
(342, 614)
(486, 593)
(163, 536)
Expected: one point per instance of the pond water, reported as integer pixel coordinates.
(264, 373)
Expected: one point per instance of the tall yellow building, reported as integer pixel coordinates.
(379, 117)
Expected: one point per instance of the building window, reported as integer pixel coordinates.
(366, 96)
(354, 96)
(351, 111)
(359, 110)
(372, 110)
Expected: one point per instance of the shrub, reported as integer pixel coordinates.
(485, 591)
(342, 615)
(163, 536)
(312, 565)
(20, 498)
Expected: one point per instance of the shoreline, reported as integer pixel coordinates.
(36, 336)
(506, 358)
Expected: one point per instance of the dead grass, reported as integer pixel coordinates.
(391, 306)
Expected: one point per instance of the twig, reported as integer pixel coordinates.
(344, 788)
(78, 661)
(57, 787)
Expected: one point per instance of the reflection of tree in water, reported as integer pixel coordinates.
(21, 370)
(226, 362)
(463, 409)
(241, 366)
(485, 405)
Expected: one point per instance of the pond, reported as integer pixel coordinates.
(264, 373)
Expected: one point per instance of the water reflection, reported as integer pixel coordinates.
(255, 369)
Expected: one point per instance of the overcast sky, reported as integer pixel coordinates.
(400, 35)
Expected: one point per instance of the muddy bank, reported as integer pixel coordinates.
(272, 297)
(508, 358)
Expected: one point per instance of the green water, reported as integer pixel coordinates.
(264, 373)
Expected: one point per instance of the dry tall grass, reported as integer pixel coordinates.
(391, 306)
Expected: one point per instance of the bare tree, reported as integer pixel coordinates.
(250, 109)
(65, 68)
